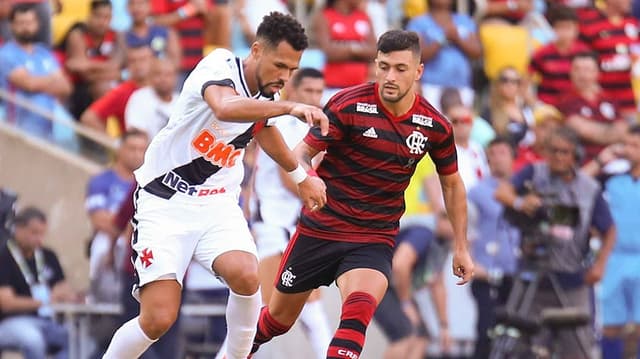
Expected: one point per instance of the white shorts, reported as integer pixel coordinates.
(169, 233)
(271, 239)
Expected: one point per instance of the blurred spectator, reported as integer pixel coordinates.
(613, 34)
(508, 112)
(8, 200)
(449, 43)
(551, 63)
(94, 55)
(472, 163)
(545, 185)
(546, 120)
(44, 11)
(105, 195)
(512, 11)
(30, 280)
(343, 31)
(481, 131)
(30, 71)
(106, 192)
(249, 14)
(162, 40)
(585, 9)
(149, 108)
(494, 244)
(114, 102)
(589, 110)
(620, 291)
(187, 18)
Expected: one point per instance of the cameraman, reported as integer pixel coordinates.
(538, 191)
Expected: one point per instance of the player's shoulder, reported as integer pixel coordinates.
(363, 93)
(427, 115)
(219, 57)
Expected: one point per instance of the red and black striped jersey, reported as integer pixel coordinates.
(552, 67)
(370, 158)
(602, 110)
(616, 43)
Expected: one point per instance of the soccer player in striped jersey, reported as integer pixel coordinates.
(378, 133)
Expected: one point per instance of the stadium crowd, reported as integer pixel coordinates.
(510, 75)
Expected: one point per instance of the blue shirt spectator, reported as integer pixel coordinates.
(31, 72)
(39, 62)
(450, 67)
(107, 191)
(623, 194)
(157, 39)
(496, 242)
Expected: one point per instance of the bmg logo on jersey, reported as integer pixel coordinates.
(174, 181)
(216, 152)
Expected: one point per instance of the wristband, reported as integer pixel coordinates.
(298, 175)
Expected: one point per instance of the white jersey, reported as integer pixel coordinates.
(196, 156)
(275, 203)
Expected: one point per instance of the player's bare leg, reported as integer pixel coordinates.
(278, 317)
(268, 270)
(361, 290)
(239, 269)
(159, 306)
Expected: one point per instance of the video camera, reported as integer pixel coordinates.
(553, 221)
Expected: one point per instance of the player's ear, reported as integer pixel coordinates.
(256, 49)
(419, 71)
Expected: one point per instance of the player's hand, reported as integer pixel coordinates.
(313, 193)
(312, 115)
(462, 265)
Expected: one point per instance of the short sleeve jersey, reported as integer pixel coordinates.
(370, 158)
(196, 156)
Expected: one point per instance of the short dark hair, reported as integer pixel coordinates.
(28, 214)
(20, 9)
(277, 27)
(96, 4)
(305, 72)
(399, 40)
(586, 55)
(449, 98)
(133, 132)
(559, 13)
(502, 140)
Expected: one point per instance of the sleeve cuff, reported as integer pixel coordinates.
(225, 82)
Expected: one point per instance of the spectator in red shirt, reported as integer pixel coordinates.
(551, 63)
(345, 34)
(613, 35)
(113, 103)
(94, 54)
(591, 112)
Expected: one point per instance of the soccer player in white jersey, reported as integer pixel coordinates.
(187, 200)
(277, 208)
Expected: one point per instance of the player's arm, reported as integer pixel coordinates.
(227, 105)
(311, 189)
(455, 201)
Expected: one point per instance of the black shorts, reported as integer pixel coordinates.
(309, 262)
(393, 322)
